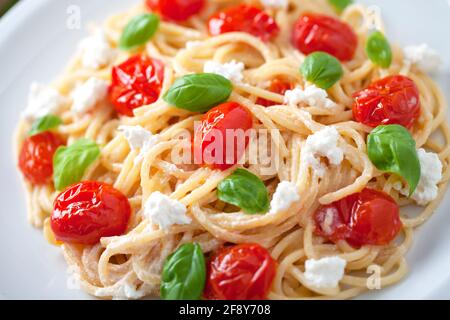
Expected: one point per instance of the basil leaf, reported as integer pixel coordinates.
(138, 31)
(69, 163)
(379, 50)
(322, 69)
(245, 190)
(199, 92)
(44, 124)
(391, 148)
(340, 5)
(184, 274)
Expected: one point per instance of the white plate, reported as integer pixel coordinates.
(35, 44)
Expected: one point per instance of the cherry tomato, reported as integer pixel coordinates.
(315, 32)
(241, 272)
(88, 211)
(229, 116)
(368, 217)
(277, 86)
(36, 157)
(392, 100)
(177, 10)
(244, 18)
(135, 83)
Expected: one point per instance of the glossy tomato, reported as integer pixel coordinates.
(135, 83)
(212, 144)
(36, 157)
(368, 217)
(241, 272)
(244, 18)
(279, 86)
(88, 211)
(177, 10)
(316, 32)
(392, 100)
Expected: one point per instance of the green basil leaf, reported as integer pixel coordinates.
(340, 5)
(69, 163)
(391, 148)
(379, 50)
(184, 274)
(245, 190)
(322, 69)
(44, 124)
(199, 92)
(138, 31)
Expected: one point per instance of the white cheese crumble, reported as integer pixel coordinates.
(139, 139)
(322, 143)
(164, 211)
(431, 175)
(285, 195)
(43, 100)
(231, 70)
(96, 51)
(86, 96)
(311, 96)
(283, 4)
(325, 272)
(424, 57)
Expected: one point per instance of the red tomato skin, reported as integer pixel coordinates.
(369, 217)
(392, 100)
(229, 115)
(279, 86)
(176, 10)
(36, 157)
(88, 211)
(241, 272)
(135, 83)
(244, 18)
(316, 32)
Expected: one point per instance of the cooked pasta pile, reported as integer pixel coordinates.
(129, 266)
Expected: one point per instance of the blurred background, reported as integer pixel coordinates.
(5, 5)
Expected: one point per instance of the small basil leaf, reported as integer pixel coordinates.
(245, 190)
(379, 50)
(44, 124)
(184, 274)
(340, 5)
(391, 148)
(138, 31)
(70, 163)
(199, 92)
(322, 69)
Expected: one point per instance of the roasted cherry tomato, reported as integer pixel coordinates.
(316, 32)
(135, 83)
(36, 157)
(392, 100)
(229, 116)
(368, 217)
(241, 272)
(279, 86)
(244, 18)
(88, 211)
(177, 10)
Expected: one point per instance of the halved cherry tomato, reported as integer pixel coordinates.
(279, 86)
(241, 272)
(36, 157)
(368, 217)
(229, 116)
(316, 32)
(135, 83)
(392, 100)
(244, 18)
(177, 10)
(88, 211)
